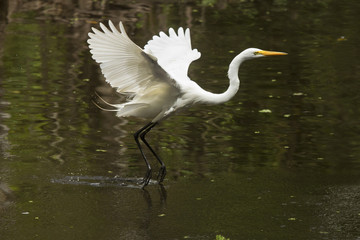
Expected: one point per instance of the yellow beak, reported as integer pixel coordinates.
(271, 53)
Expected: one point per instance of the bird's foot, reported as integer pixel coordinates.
(146, 178)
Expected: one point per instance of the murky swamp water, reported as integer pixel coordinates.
(281, 160)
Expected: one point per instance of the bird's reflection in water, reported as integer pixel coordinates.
(162, 194)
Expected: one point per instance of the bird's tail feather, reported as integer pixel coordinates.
(123, 110)
(130, 109)
(104, 101)
(104, 109)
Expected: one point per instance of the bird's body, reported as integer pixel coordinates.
(155, 78)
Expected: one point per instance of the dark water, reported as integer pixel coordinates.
(281, 160)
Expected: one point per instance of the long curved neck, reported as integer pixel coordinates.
(214, 98)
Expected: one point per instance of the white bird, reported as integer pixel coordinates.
(155, 79)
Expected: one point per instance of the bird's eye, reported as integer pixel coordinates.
(257, 53)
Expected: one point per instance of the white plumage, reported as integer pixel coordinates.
(155, 78)
(174, 52)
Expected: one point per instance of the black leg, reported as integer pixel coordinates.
(162, 171)
(147, 177)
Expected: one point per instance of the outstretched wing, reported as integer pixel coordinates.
(124, 64)
(174, 52)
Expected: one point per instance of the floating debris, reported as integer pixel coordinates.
(101, 150)
(341, 38)
(265, 111)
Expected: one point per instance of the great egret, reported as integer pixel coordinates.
(154, 79)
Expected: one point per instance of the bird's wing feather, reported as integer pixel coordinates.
(124, 64)
(174, 52)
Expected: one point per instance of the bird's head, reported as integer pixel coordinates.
(252, 53)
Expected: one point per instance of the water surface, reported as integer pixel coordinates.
(281, 160)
